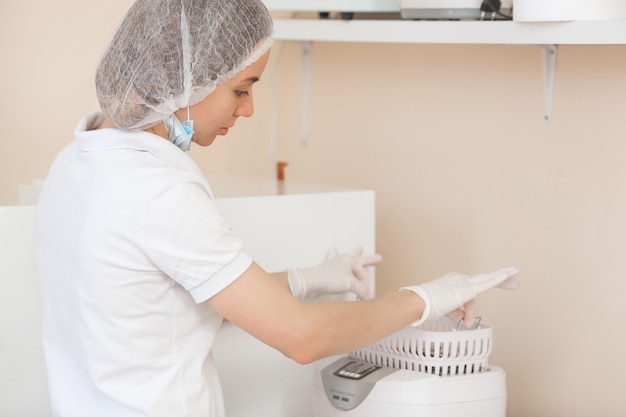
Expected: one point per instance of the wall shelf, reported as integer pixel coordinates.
(545, 35)
(451, 32)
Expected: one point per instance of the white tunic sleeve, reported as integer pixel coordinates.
(188, 239)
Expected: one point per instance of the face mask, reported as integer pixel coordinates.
(179, 134)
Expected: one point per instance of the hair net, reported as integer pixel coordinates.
(169, 54)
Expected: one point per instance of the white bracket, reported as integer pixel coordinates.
(548, 54)
(548, 57)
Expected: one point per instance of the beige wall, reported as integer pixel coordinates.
(468, 175)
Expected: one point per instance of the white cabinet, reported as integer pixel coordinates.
(282, 225)
(23, 386)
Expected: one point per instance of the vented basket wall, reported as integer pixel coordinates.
(441, 347)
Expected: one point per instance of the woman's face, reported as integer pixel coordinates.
(219, 111)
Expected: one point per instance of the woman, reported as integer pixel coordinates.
(137, 266)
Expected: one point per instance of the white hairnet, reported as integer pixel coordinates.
(168, 54)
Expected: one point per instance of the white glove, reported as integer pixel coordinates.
(338, 274)
(455, 291)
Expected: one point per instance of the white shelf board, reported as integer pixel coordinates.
(451, 32)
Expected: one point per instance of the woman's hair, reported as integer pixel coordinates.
(169, 54)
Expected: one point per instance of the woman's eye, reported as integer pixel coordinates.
(241, 93)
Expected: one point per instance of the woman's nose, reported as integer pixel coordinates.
(246, 107)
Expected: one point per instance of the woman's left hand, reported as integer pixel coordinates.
(338, 274)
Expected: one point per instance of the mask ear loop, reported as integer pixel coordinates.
(188, 124)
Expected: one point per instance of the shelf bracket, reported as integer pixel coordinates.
(305, 62)
(548, 60)
(548, 55)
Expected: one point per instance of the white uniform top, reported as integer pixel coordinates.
(130, 243)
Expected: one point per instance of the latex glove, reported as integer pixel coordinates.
(455, 291)
(337, 274)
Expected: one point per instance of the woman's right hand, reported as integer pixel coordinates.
(453, 292)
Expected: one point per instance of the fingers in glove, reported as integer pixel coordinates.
(370, 260)
(466, 314)
(361, 289)
(360, 282)
(363, 262)
(483, 282)
(359, 271)
(510, 284)
(456, 315)
(468, 318)
(356, 252)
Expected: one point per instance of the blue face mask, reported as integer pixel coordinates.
(179, 134)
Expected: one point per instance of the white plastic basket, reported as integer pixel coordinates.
(441, 347)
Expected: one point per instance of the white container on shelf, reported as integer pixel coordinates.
(568, 10)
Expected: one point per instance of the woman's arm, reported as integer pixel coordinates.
(262, 305)
(282, 278)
